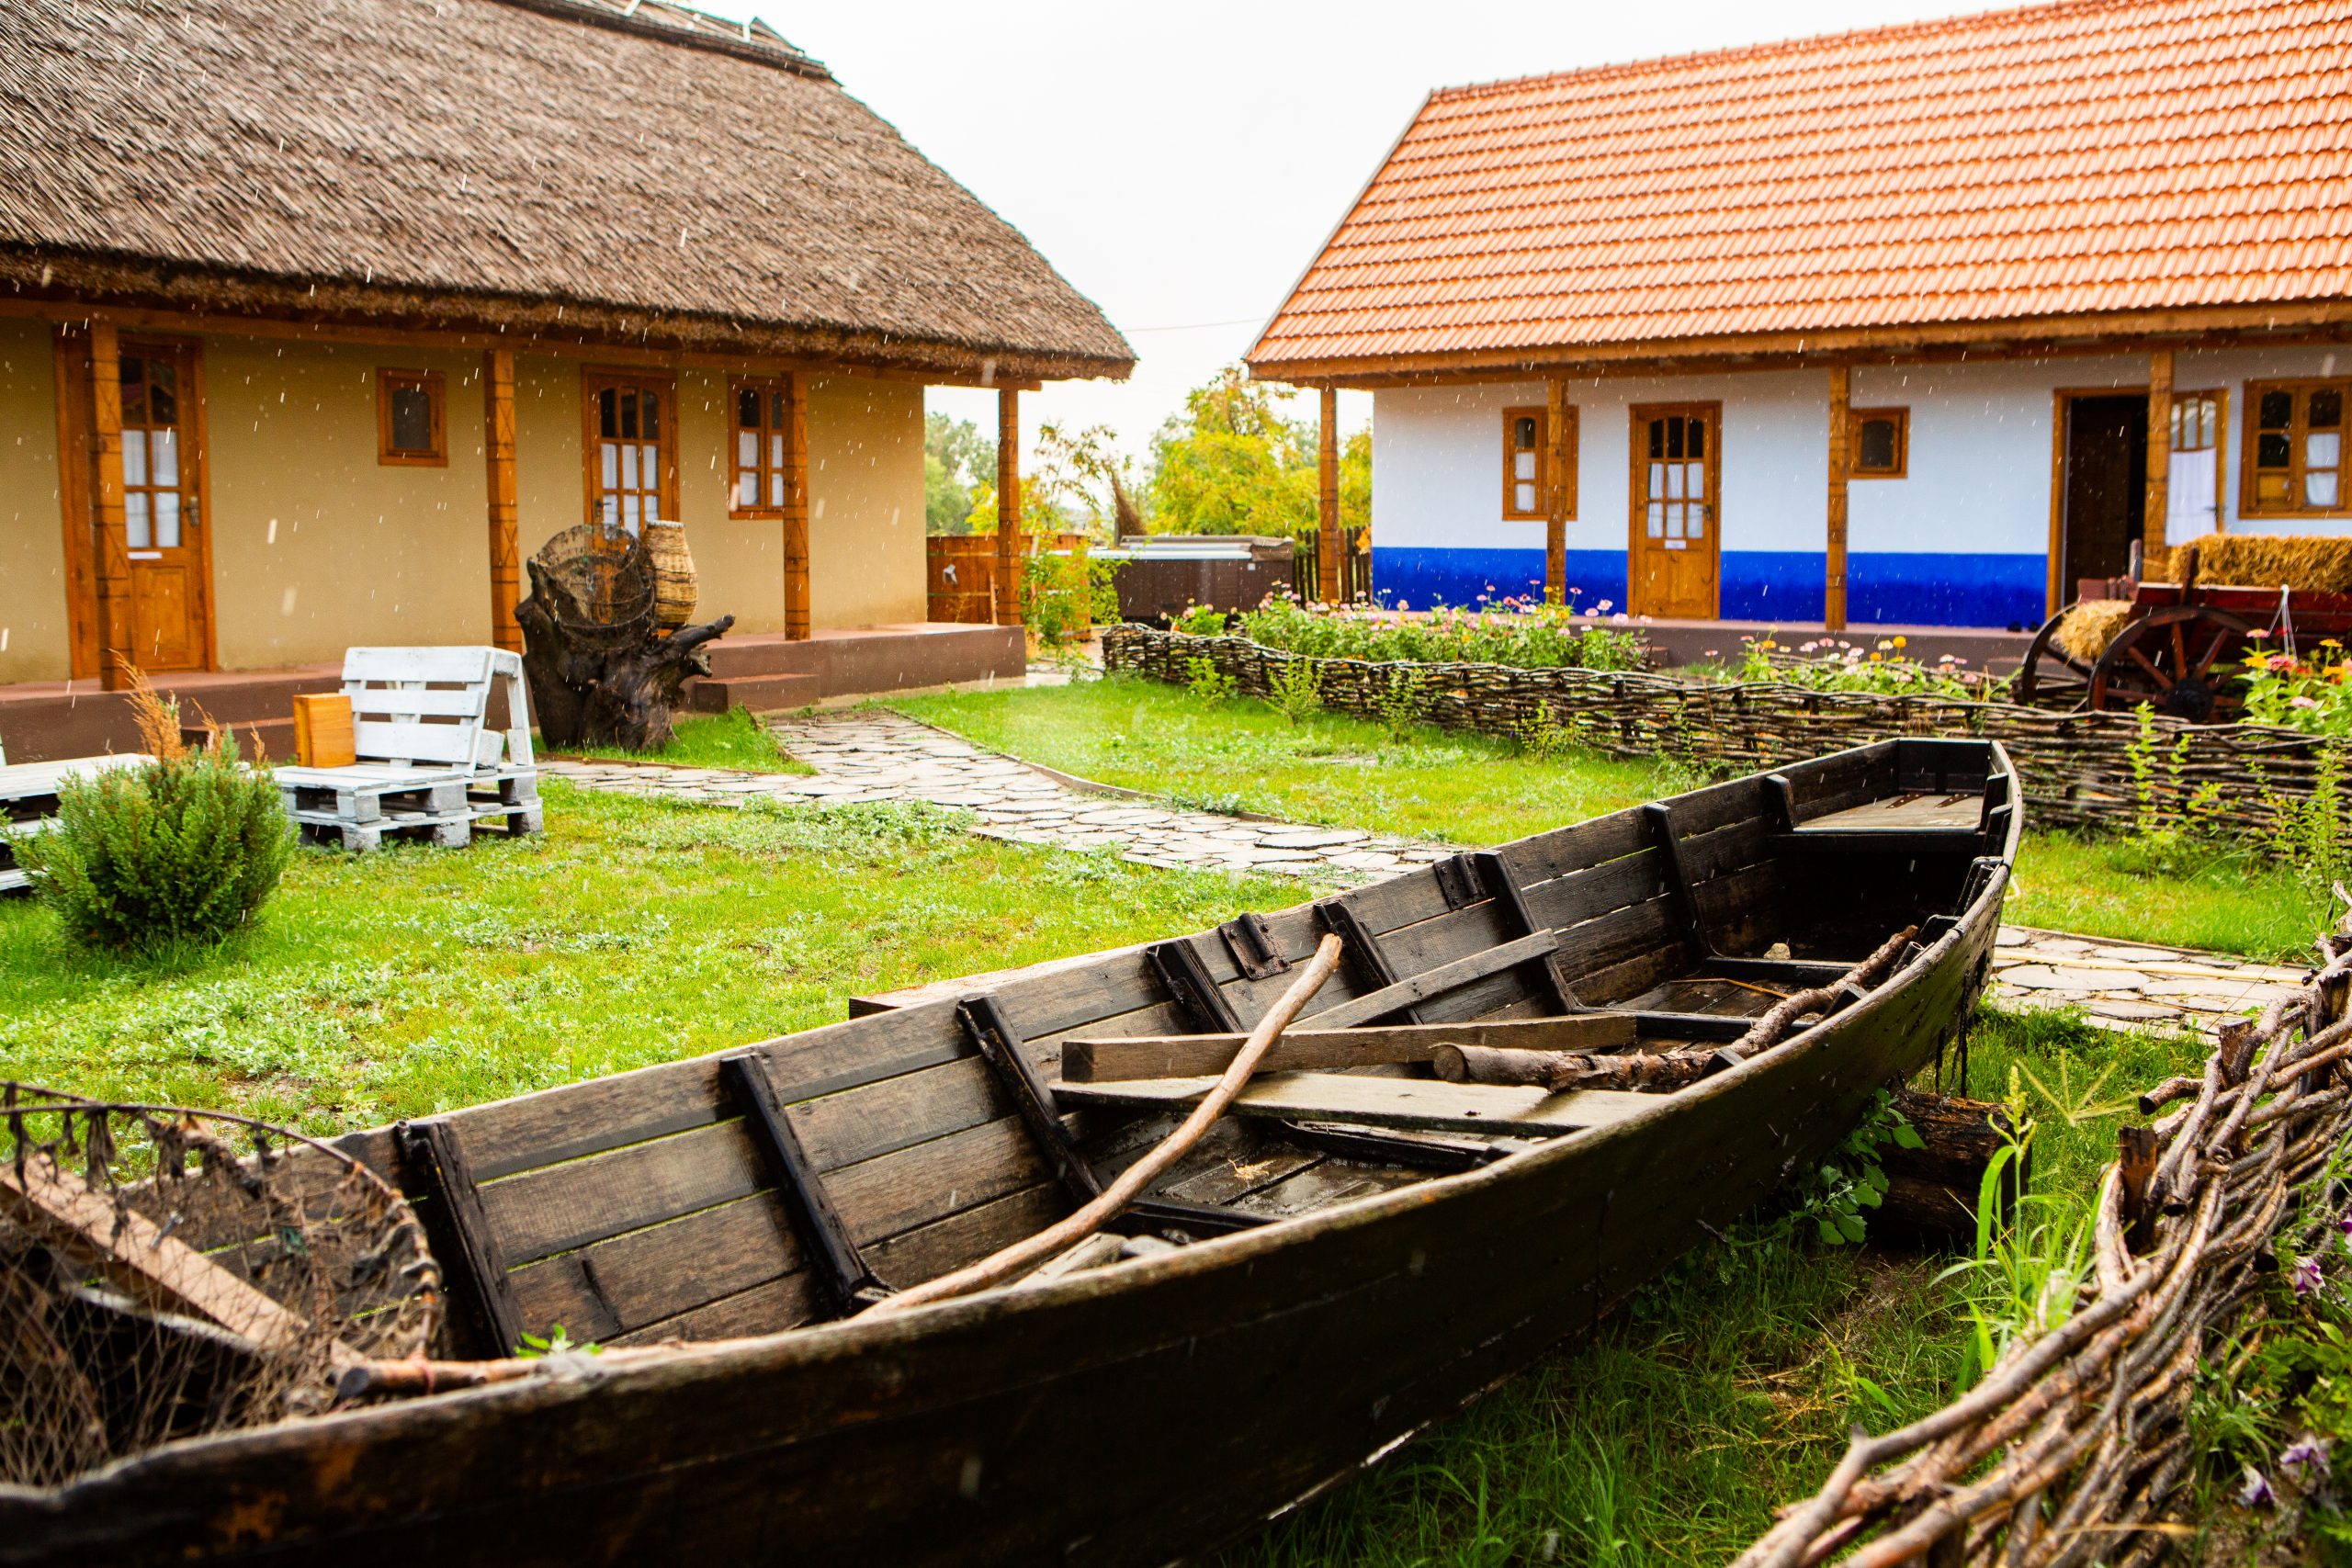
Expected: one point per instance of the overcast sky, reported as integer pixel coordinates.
(1181, 162)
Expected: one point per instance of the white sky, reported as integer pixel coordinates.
(1181, 163)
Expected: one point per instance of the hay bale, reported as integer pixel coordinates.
(2089, 626)
(2314, 563)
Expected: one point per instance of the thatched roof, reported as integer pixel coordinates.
(579, 167)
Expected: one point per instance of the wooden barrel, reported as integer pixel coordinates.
(674, 590)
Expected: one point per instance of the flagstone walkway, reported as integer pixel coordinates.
(875, 756)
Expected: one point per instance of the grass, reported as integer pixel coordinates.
(1329, 768)
(735, 738)
(634, 931)
(1244, 755)
(1728, 1386)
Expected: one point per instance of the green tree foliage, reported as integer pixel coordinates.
(957, 460)
(1234, 463)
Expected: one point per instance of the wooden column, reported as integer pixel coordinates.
(498, 463)
(1008, 506)
(1841, 397)
(116, 654)
(1556, 491)
(796, 507)
(1329, 541)
(2159, 496)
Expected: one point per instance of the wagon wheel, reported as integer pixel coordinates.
(2051, 677)
(2181, 662)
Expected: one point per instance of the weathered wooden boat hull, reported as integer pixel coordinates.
(1128, 1417)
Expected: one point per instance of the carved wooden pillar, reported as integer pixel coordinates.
(796, 507)
(1556, 491)
(1841, 397)
(115, 655)
(498, 462)
(1008, 506)
(1330, 540)
(2159, 494)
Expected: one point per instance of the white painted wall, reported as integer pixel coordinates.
(1980, 456)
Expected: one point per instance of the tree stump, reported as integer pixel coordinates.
(605, 682)
(1931, 1192)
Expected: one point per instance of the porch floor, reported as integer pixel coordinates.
(44, 720)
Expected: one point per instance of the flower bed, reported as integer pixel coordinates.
(1530, 638)
(2124, 770)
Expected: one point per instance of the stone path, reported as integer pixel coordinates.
(2124, 985)
(867, 755)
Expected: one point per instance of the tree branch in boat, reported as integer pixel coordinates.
(1024, 1255)
(1767, 1031)
(1563, 1070)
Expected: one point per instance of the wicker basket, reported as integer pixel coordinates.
(673, 574)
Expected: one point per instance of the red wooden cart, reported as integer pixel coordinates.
(2182, 650)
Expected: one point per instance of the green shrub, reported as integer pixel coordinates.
(180, 850)
(1298, 689)
(1532, 637)
(1200, 620)
(1208, 683)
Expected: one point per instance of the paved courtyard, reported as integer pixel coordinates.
(873, 755)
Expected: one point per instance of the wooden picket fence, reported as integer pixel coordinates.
(2079, 769)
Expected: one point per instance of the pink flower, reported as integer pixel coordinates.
(2301, 702)
(2257, 1492)
(2307, 1277)
(1603, 607)
(2259, 633)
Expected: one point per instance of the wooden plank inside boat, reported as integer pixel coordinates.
(1418, 1103)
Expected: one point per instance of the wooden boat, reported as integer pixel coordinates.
(1356, 1256)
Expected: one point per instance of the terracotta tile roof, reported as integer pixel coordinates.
(2101, 156)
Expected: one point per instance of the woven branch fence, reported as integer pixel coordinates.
(2079, 768)
(2069, 1450)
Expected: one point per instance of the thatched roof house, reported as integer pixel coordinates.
(549, 165)
(693, 275)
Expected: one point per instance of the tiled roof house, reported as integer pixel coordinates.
(1917, 324)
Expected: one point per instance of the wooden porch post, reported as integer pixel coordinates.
(1008, 506)
(1556, 491)
(115, 653)
(498, 461)
(796, 507)
(1833, 595)
(1329, 541)
(2159, 496)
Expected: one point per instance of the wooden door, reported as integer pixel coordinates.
(162, 471)
(1674, 570)
(2106, 480)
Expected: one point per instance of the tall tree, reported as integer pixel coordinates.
(1231, 463)
(956, 460)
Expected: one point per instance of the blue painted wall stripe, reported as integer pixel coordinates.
(1882, 588)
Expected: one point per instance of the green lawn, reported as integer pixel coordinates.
(731, 739)
(632, 931)
(1469, 789)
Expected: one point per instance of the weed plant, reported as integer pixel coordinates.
(1529, 637)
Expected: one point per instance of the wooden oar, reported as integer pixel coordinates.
(1024, 1255)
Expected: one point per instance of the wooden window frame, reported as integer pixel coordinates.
(595, 379)
(1855, 420)
(2250, 449)
(437, 392)
(769, 388)
(1541, 414)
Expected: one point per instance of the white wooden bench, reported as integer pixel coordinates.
(428, 760)
(28, 801)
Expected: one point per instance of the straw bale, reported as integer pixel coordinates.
(2314, 563)
(2089, 626)
(581, 166)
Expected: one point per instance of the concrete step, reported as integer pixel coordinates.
(764, 656)
(761, 694)
(275, 736)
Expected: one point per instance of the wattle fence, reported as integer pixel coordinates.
(2072, 1447)
(2079, 769)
